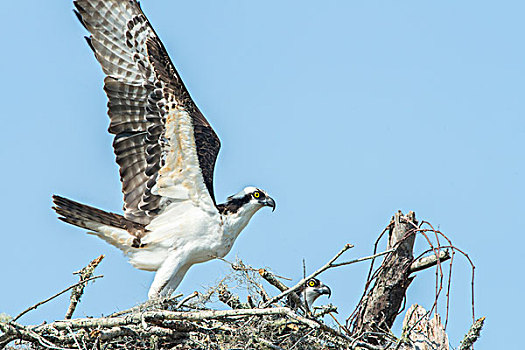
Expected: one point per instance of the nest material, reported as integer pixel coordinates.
(180, 324)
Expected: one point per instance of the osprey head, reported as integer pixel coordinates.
(312, 290)
(239, 208)
(250, 198)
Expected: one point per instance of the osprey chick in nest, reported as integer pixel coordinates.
(166, 151)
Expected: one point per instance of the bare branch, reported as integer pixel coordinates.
(189, 297)
(13, 331)
(362, 259)
(271, 278)
(229, 298)
(78, 290)
(301, 282)
(137, 318)
(472, 335)
(54, 296)
(147, 304)
(429, 261)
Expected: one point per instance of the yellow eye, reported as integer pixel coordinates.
(311, 283)
(256, 194)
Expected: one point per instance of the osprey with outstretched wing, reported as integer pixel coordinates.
(166, 151)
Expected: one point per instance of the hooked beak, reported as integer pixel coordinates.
(269, 202)
(324, 289)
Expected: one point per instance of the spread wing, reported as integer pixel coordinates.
(164, 146)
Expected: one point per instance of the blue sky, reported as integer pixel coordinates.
(343, 111)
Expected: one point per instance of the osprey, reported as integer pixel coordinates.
(166, 151)
(311, 290)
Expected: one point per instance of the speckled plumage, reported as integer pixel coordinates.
(166, 151)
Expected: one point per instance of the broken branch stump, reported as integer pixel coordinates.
(379, 308)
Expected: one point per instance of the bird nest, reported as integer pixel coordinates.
(195, 321)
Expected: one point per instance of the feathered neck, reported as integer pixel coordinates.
(236, 216)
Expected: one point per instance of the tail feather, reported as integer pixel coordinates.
(80, 214)
(112, 227)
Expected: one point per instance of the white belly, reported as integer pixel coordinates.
(185, 230)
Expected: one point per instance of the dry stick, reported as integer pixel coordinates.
(362, 259)
(241, 267)
(77, 291)
(106, 335)
(138, 318)
(246, 268)
(189, 297)
(266, 342)
(74, 337)
(301, 282)
(429, 261)
(472, 335)
(439, 275)
(384, 299)
(13, 331)
(472, 279)
(449, 282)
(230, 299)
(339, 324)
(148, 303)
(271, 278)
(408, 331)
(54, 296)
(439, 270)
(449, 279)
(369, 277)
(320, 311)
(329, 265)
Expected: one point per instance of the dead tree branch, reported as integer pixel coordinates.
(381, 305)
(85, 273)
(472, 335)
(429, 261)
(327, 266)
(54, 296)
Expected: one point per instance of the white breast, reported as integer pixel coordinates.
(186, 230)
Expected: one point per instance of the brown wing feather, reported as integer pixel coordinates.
(206, 140)
(140, 79)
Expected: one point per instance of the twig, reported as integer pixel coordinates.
(429, 261)
(271, 278)
(137, 318)
(115, 332)
(370, 276)
(13, 331)
(362, 259)
(189, 297)
(242, 267)
(301, 282)
(329, 265)
(472, 335)
(73, 335)
(118, 324)
(77, 291)
(339, 324)
(229, 298)
(54, 296)
(320, 311)
(267, 343)
(149, 303)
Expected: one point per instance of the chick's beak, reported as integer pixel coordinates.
(269, 202)
(325, 290)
